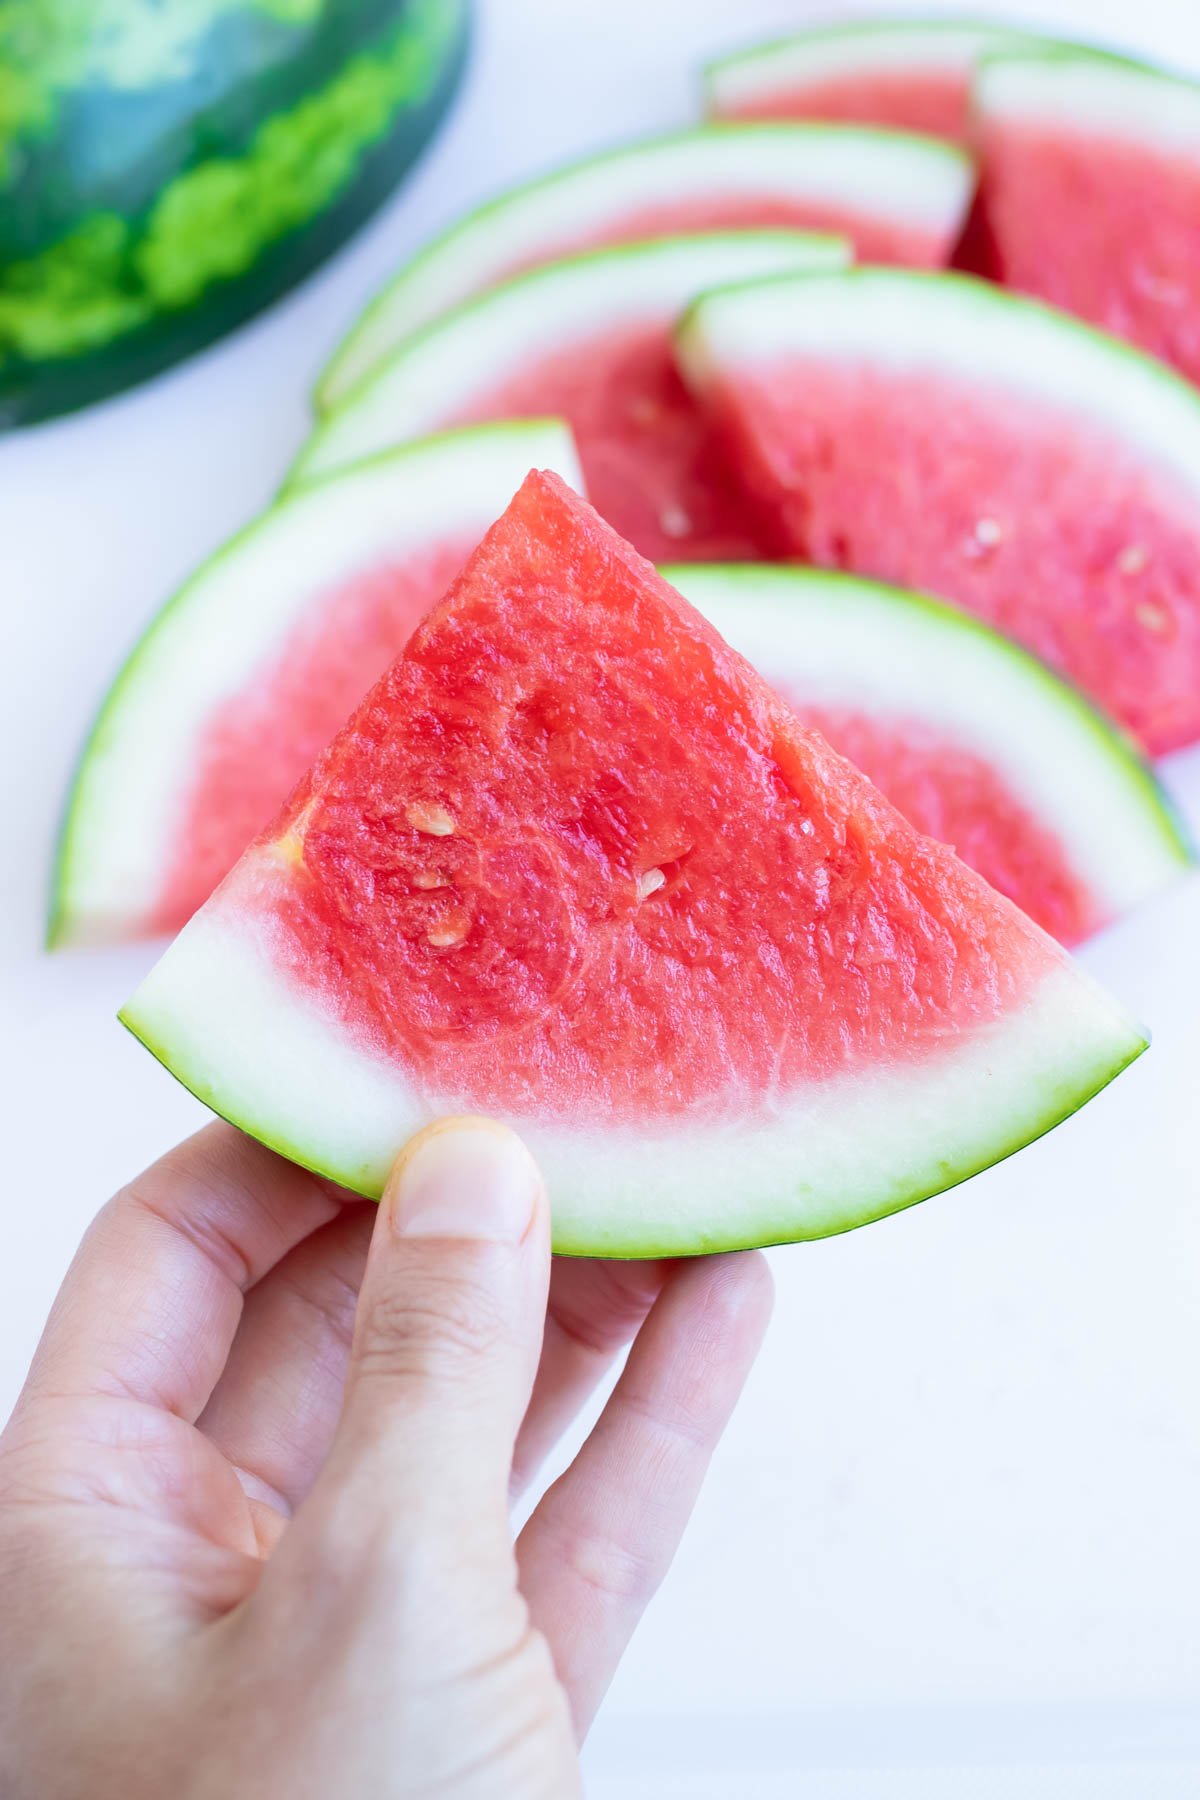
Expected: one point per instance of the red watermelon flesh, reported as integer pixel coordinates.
(261, 741)
(950, 793)
(592, 931)
(1105, 229)
(1030, 519)
(935, 102)
(650, 461)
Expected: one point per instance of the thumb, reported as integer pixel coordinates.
(448, 1330)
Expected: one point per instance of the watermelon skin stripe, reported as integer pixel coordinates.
(841, 1155)
(848, 642)
(138, 280)
(908, 181)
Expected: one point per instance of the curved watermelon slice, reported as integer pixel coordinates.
(897, 199)
(1090, 193)
(256, 662)
(934, 432)
(572, 862)
(588, 339)
(975, 741)
(914, 74)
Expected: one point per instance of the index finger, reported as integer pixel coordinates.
(152, 1299)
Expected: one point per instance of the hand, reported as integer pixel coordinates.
(254, 1535)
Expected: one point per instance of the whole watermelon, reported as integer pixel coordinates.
(168, 167)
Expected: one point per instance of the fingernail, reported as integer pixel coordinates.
(463, 1178)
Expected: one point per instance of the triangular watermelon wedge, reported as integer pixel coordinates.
(573, 863)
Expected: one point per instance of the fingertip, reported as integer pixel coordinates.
(465, 1176)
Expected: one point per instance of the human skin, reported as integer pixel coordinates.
(254, 1498)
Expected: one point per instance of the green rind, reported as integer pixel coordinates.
(1067, 1102)
(866, 29)
(60, 912)
(324, 402)
(1113, 744)
(113, 301)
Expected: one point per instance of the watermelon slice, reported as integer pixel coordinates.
(975, 741)
(914, 74)
(1090, 193)
(588, 339)
(256, 662)
(897, 199)
(934, 432)
(573, 863)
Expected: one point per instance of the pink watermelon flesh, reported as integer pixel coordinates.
(651, 462)
(1033, 521)
(260, 742)
(950, 793)
(1107, 230)
(573, 856)
(929, 101)
(875, 240)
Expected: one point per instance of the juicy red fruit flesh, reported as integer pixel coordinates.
(951, 794)
(573, 856)
(262, 739)
(928, 102)
(1039, 524)
(1107, 230)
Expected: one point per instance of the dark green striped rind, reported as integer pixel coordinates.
(179, 189)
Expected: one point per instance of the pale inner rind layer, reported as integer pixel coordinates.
(220, 1014)
(1096, 96)
(812, 58)
(831, 640)
(911, 181)
(435, 376)
(950, 325)
(232, 619)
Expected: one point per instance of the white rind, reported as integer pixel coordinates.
(911, 182)
(952, 325)
(434, 377)
(812, 58)
(216, 1010)
(832, 640)
(1094, 95)
(233, 617)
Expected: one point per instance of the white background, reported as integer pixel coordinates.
(951, 1538)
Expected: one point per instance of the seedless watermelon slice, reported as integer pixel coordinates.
(932, 431)
(898, 199)
(911, 73)
(589, 339)
(975, 741)
(1090, 193)
(256, 662)
(574, 863)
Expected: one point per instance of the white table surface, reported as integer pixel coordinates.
(949, 1546)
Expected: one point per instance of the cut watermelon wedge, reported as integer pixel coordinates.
(1090, 193)
(975, 741)
(573, 863)
(912, 73)
(934, 432)
(897, 199)
(589, 339)
(256, 662)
